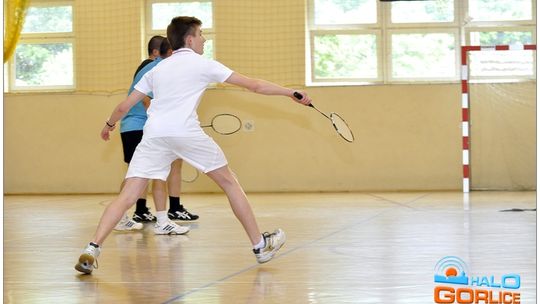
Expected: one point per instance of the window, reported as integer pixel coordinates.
(345, 41)
(160, 13)
(344, 57)
(423, 41)
(422, 12)
(423, 55)
(359, 41)
(493, 64)
(329, 12)
(500, 10)
(503, 22)
(43, 58)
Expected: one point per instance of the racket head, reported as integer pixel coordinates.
(342, 127)
(190, 174)
(226, 124)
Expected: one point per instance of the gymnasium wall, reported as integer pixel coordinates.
(408, 137)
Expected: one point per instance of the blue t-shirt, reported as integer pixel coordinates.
(136, 117)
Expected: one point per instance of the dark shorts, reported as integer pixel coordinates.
(130, 140)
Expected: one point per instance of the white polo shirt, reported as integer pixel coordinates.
(178, 83)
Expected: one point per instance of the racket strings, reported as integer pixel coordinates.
(342, 127)
(190, 178)
(225, 124)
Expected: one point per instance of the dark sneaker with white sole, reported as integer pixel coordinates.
(144, 217)
(182, 215)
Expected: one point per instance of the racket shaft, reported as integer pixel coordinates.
(311, 105)
(339, 124)
(299, 96)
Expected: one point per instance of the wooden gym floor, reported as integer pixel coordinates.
(341, 248)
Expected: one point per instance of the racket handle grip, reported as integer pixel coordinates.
(299, 96)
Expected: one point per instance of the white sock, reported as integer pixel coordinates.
(260, 244)
(162, 217)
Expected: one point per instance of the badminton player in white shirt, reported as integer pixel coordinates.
(173, 131)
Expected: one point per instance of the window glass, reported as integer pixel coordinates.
(162, 13)
(345, 56)
(209, 49)
(500, 10)
(423, 11)
(55, 19)
(329, 12)
(44, 61)
(49, 64)
(501, 63)
(423, 55)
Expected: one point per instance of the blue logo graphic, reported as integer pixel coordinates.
(451, 270)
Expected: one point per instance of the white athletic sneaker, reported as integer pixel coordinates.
(127, 224)
(88, 259)
(272, 242)
(170, 228)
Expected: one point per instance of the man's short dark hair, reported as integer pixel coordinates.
(164, 48)
(154, 43)
(179, 28)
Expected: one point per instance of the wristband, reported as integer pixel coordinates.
(109, 125)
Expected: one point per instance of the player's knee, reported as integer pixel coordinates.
(226, 181)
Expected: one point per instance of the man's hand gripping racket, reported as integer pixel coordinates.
(340, 125)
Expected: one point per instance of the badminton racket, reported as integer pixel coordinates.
(340, 125)
(191, 176)
(225, 124)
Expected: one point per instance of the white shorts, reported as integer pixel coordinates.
(153, 157)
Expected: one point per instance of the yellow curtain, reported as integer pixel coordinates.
(14, 20)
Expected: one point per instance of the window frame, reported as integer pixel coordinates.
(313, 26)
(44, 38)
(503, 25)
(378, 42)
(387, 13)
(209, 33)
(460, 27)
(366, 28)
(469, 22)
(502, 78)
(529, 28)
(389, 64)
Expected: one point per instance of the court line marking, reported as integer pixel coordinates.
(287, 252)
(406, 205)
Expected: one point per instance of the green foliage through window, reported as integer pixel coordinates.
(423, 11)
(345, 56)
(345, 12)
(500, 10)
(55, 19)
(44, 64)
(423, 55)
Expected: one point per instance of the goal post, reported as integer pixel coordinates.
(465, 104)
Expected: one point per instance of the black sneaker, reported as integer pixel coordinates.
(182, 215)
(144, 217)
